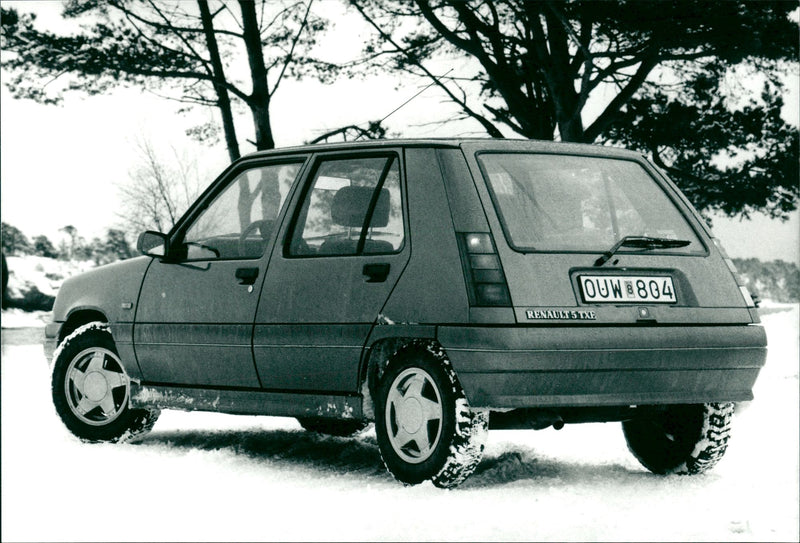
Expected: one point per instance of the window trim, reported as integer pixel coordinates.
(310, 178)
(665, 189)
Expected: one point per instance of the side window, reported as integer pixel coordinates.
(354, 206)
(238, 223)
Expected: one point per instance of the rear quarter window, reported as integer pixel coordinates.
(549, 202)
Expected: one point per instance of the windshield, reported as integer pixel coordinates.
(577, 203)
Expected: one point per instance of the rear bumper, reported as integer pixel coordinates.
(593, 366)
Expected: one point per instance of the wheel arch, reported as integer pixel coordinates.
(381, 353)
(77, 318)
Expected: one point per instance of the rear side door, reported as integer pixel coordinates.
(339, 257)
(194, 319)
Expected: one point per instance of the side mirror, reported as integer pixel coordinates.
(153, 243)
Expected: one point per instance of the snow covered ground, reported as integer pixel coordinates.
(46, 274)
(17, 318)
(201, 477)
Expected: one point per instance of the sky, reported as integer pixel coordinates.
(62, 165)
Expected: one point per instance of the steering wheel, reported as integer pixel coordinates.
(265, 226)
(213, 250)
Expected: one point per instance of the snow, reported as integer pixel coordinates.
(214, 477)
(17, 318)
(46, 274)
(77, 332)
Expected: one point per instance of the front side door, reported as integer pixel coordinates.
(339, 258)
(194, 318)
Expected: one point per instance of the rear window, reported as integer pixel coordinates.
(577, 203)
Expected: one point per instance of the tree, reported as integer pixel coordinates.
(104, 251)
(374, 130)
(116, 245)
(42, 246)
(157, 193)
(153, 44)
(776, 280)
(666, 66)
(68, 249)
(14, 241)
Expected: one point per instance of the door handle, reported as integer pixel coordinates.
(246, 276)
(376, 273)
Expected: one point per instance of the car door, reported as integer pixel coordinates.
(341, 254)
(194, 319)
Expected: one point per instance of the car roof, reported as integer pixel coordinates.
(471, 144)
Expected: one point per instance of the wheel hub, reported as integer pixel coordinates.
(95, 387)
(409, 415)
(414, 415)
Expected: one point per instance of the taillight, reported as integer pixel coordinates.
(486, 281)
(748, 299)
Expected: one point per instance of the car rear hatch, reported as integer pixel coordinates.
(600, 236)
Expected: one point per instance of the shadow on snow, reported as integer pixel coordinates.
(360, 456)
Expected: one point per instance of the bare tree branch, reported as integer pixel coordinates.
(288, 59)
(490, 128)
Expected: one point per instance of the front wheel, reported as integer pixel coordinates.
(91, 390)
(681, 439)
(424, 425)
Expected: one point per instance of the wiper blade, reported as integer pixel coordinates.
(643, 243)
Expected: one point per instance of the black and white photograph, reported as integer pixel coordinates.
(400, 270)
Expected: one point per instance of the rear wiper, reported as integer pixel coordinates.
(643, 243)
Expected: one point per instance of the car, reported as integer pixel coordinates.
(436, 287)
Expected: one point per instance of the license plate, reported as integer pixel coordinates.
(627, 289)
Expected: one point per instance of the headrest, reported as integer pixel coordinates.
(350, 206)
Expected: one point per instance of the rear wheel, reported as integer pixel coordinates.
(682, 439)
(424, 425)
(91, 388)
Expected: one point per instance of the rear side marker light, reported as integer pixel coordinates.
(480, 244)
(484, 273)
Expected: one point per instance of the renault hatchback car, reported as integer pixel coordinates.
(436, 287)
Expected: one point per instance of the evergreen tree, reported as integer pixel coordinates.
(14, 241)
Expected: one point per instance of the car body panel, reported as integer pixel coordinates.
(110, 291)
(194, 324)
(588, 365)
(309, 357)
(431, 289)
(246, 401)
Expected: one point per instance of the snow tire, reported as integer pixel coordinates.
(91, 389)
(680, 439)
(424, 425)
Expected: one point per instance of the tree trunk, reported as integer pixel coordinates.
(559, 78)
(571, 129)
(258, 101)
(223, 100)
(259, 107)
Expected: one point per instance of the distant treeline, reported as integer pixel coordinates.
(776, 280)
(72, 246)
